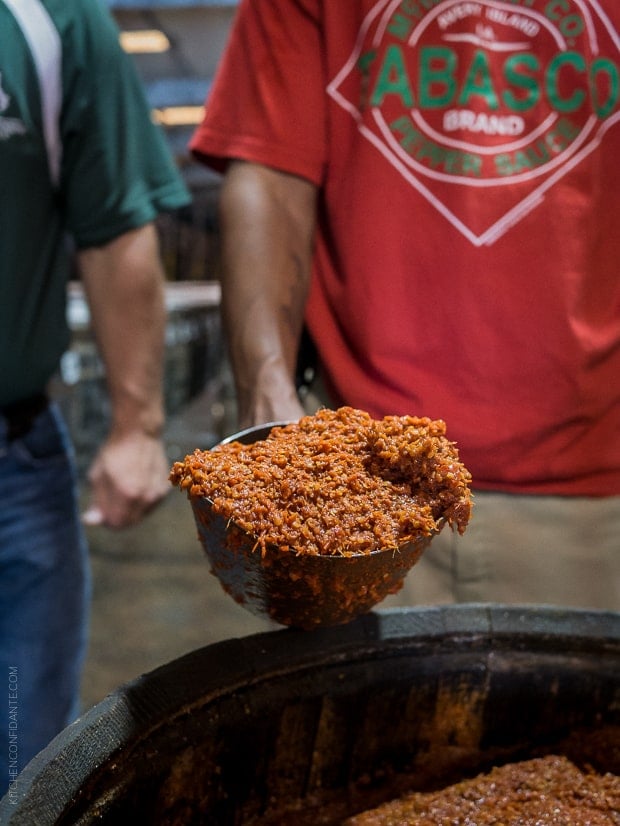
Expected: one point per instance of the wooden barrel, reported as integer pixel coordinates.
(308, 727)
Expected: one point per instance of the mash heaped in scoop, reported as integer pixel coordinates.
(335, 483)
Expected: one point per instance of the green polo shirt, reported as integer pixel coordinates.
(116, 174)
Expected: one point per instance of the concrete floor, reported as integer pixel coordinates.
(154, 598)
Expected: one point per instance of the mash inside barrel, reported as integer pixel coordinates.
(317, 522)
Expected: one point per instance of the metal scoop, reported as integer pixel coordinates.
(300, 590)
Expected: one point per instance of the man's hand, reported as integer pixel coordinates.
(128, 478)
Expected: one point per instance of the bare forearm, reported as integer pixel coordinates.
(267, 223)
(124, 285)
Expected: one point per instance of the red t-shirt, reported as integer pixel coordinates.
(466, 267)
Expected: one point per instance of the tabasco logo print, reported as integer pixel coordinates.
(497, 98)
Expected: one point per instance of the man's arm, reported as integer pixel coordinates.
(124, 284)
(267, 221)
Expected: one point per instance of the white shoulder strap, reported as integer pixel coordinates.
(44, 42)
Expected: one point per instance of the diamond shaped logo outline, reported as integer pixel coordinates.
(418, 176)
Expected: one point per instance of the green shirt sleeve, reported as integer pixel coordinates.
(117, 171)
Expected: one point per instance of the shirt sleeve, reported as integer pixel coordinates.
(117, 171)
(267, 104)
